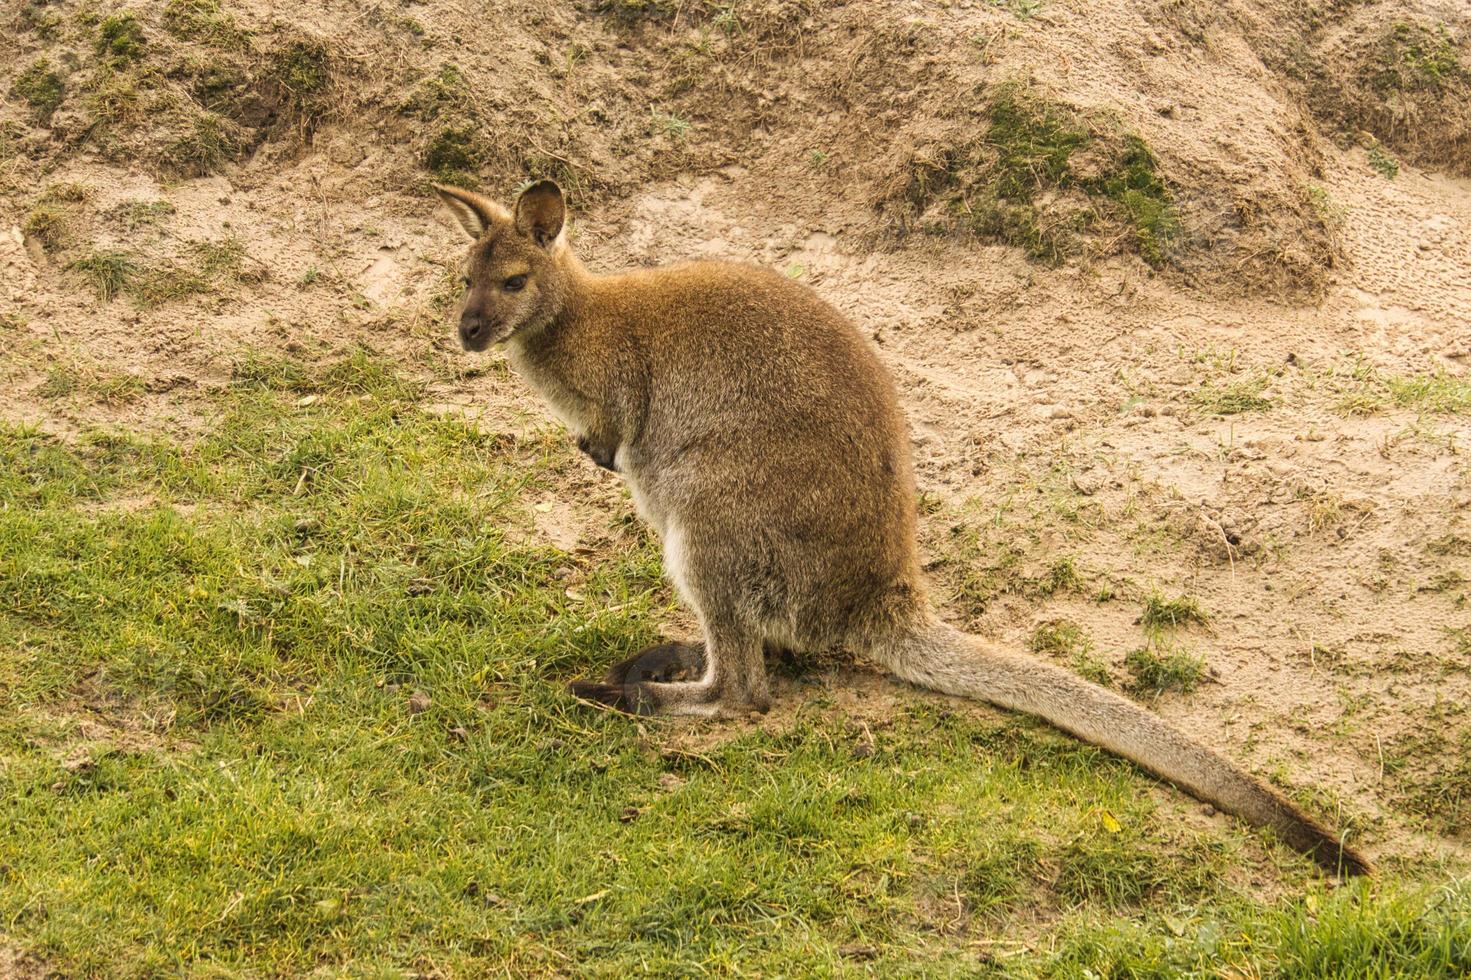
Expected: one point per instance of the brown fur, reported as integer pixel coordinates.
(763, 440)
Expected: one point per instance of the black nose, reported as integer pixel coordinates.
(471, 327)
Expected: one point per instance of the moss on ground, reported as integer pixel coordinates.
(1013, 184)
(41, 87)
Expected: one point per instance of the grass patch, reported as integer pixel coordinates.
(454, 154)
(50, 224)
(1415, 58)
(669, 123)
(1440, 392)
(41, 88)
(1419, 933)
(120, 39)
(133, 215)
(444, 93)
(1169, 614)
(207, 142)
(108, 273)
(455, 150)
(1091, 177)
(331, 657)
(50, 221)
(1368, 391)
(202, 21)
(633, 12)
(1234, 398)
(1156, 671)
(298, 75)
(1067, 641)
(1386, 165)
(104, 387)
(1161, 665)
(1432, 770)
(206, 267)
(1061, 577)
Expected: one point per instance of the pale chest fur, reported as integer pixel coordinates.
(566, 406)
(570, 409)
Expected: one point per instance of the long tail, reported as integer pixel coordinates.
(938, 656)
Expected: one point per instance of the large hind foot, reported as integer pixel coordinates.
(684, 679)
(695, 698)
(662, 663)
(625, 687)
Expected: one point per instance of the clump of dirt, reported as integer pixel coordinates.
(1397, 73)
(1040, 177)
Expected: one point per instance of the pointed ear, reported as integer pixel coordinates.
(541, 212)
(475, 213)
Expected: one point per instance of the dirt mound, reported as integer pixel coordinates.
(1399, 73)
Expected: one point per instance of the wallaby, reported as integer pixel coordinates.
(763, 440)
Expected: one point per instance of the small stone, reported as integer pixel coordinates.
(1208, 810)
(629, 814)
(419, 702)
(459, 734)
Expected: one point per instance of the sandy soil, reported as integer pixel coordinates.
(1056, 407)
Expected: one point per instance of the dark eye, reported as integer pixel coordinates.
(514, 284)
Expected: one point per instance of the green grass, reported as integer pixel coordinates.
(109, 273)
(204, 267)
(120, 39)
(50, 221)
(206, 142)
(133, 215)
(105, 387)
(1168, 614)
(299, 73)
(1162, 664)
(1368, 391)
(1234, 398)
(1381, 161)
(1067, 641)
(454, 155)
(40, 87)
(203, 21)
(1030, 150)
(1436, 785)
(1157, 670)
(209, 764)
(1416, 58)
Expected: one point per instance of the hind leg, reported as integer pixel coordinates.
(715, 581)
(733, 682)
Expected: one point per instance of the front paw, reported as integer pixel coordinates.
(599, 454)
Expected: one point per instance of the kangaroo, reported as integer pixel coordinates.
(762, 439)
